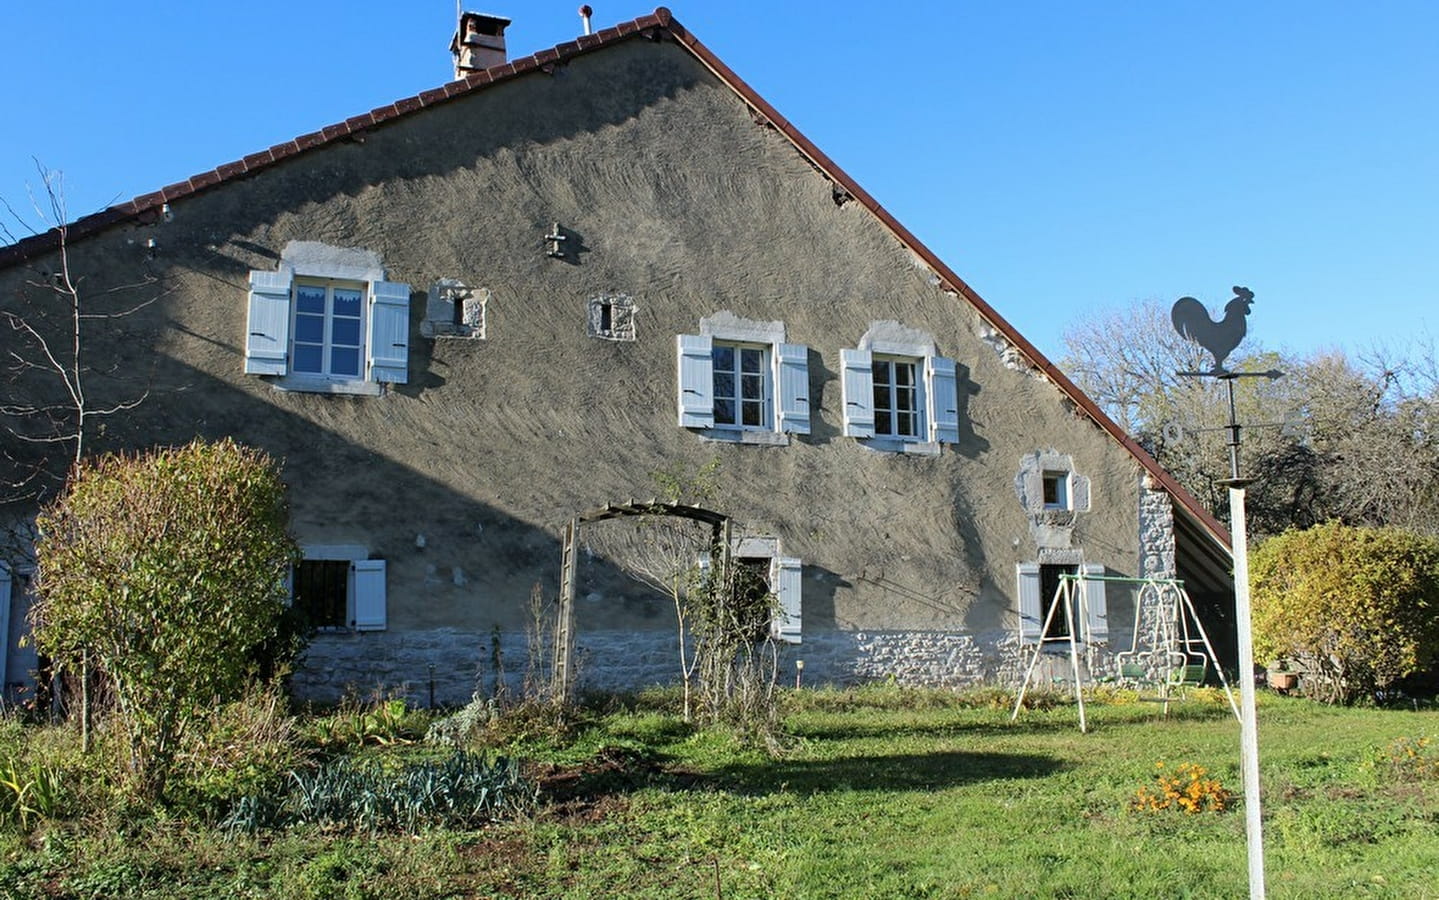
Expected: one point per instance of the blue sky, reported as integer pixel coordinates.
(1063, 158)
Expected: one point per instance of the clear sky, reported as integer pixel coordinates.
(1061, 157)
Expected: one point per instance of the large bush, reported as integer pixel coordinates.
(1358, 608)
(166, 572)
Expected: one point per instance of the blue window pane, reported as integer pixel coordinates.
(310, 299)
(310, 329)
(345, 362)
(724, 411)
(308, 359)
(347, 302)
(882, 422)
(724, 359)
(724, 384)
(346, 332)
(753, 386)
(751, 413)
(750, 360)
(904, 373)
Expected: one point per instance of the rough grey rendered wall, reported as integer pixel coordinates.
(672, 195)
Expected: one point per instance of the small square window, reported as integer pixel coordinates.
(1056, 490)
(612, 317)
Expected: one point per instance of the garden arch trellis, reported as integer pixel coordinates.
(720, 534)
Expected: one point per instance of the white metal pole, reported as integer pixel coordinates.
(1249, 725)
(1066, 590)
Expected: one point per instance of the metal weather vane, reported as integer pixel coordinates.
(1220, 338)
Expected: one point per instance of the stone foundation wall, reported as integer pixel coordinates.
(448, 666)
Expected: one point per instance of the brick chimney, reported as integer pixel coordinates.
(479, 43)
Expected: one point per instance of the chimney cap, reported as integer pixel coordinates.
(478, 23)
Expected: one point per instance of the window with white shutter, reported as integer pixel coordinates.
(337, 587)
(857, 385)
(370, 595)
(751, 391)
(1096, 613)
(320, 331)
(267, 345)
(788, 586)
(900, 397)
(1031, 606)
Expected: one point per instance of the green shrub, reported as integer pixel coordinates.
(166, 571)
(1356, 608)
(240, 748)
(380, 721)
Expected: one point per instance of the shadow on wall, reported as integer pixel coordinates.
(970, 445)
(342, 492)
(459, 135)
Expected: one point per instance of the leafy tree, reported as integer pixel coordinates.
(1357, 608)
(1335, 438)
(166, 570)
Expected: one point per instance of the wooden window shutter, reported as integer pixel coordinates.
(389, 343)
(1096, 613)
(788, 581)
(792, 378)
(943, 400)
(858, 388)
(369, 595)
(1031, 605)
(267, 341)
(696, 381)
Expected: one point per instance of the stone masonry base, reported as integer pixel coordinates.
(447, 666)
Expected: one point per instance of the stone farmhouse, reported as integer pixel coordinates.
(467, 317)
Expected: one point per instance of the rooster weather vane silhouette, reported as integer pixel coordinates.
(1220, 338)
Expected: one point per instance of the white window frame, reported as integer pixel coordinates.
(328, 316)
(273, 309)
(916, 409)
(765, 400)
(1063, 494)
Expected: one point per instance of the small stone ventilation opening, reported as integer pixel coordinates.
(455, 310)
(611, 317)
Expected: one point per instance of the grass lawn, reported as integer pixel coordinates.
(880, 792)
